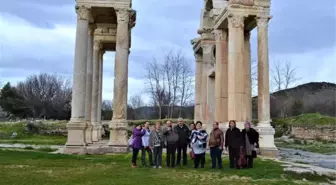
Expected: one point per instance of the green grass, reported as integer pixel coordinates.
(25, 138)
(309, 120)
(30, 168)
(316, 146)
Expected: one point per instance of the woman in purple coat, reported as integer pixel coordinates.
(138, 132)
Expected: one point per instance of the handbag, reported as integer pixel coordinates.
(242, 159)
(192, 154)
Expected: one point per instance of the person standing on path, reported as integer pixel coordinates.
(156, 142)
(216, 143)
(145, 149)
(171, 139)
(183, 133)
(233, 143)
(198, 144)
(138, 132)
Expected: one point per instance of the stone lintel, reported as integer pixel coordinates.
(221, 21)
(105, 3)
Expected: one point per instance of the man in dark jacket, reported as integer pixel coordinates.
(183, 133)
(233, 143)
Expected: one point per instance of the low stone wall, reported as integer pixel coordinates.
(327, 133)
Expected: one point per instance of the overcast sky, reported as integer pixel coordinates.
(39, 35)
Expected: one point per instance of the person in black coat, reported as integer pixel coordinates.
(233, 143)
(250, 140)
(183, 133)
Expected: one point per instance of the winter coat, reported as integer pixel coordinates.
(233, 138)
(216, 138)
(198, 144)
(171, 136)
(137, 138)
(183, 134)
(252, 135)
(156, 139)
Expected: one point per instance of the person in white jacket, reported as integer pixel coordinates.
(146, 148)
(198, 143)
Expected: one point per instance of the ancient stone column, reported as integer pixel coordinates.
(236, 77)
(221, 109)
(88, 92)
(95, 90)
(100, 93)
(77, 125)
(208, 63)
(198, 87)
(118, 125)
(263, 73)
(264, 128)
(247, 81)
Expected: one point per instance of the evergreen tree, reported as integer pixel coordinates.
(10, 100)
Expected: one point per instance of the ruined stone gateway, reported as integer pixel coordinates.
(222, 54)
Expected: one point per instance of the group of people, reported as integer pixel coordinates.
(241, 145)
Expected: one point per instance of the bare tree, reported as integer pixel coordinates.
(107, 105)
(277, 76)
(135, 101)
(185, 87)
(254, 76)
(156, 84)
(283, 75)
(46, 96)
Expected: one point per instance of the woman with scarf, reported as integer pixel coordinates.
(250, 139)
(198, 144)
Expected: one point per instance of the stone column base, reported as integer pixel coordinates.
(88, 133)
(118, 135)
(100, 127)
(76, 137)
(95, 132)
(266, 140)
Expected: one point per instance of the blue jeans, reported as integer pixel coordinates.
(216, 156)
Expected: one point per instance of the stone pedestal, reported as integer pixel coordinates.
(118, 136)
(76, 137)
(266, 141)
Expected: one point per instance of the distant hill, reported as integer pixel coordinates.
(306, 98)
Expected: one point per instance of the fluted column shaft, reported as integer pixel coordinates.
(121, 66)
(236, 90)
(95, 88)
(221, 83)
(88, 93)
(263, 72)
(198, 87)
(247, 69)
(100, 93)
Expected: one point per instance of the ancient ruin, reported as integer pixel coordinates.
(223, 70)
(101, 26)
(223, 66)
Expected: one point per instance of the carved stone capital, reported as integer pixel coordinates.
(262, 21)
(97, 45)
(83, 13)
(123, 15)
(198, 57)
(236, 21)
(207, 48)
